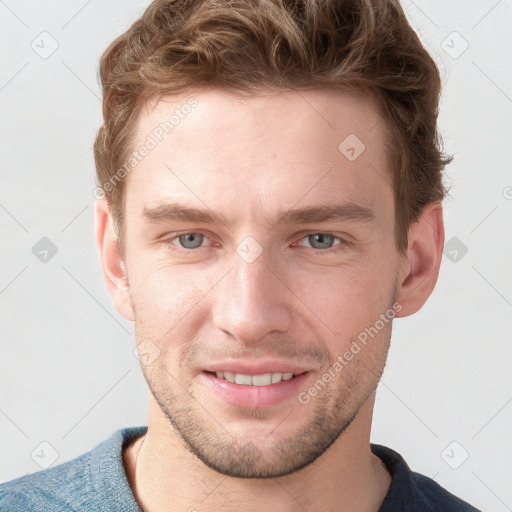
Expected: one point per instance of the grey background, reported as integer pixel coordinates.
(68, 375)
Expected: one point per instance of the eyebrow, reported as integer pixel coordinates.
(346, 212)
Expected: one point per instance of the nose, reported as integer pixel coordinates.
(251, 301)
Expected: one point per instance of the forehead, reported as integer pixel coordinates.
(259, 153)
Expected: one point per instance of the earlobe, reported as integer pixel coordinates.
(420, 264)
(114, 269)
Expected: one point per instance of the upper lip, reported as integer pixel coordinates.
(255, 368)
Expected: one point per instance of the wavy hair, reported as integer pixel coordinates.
(244, 45)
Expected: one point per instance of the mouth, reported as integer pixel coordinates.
(265, 379)
(254, 391)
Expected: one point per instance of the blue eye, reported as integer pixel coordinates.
(322, 243)
(325, 241)
(191, 240)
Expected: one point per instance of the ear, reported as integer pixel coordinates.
(420, 264)
(114, 269)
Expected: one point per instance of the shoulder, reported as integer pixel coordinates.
(437, 497)
(92, 479)
(50, 488)
(411, 491)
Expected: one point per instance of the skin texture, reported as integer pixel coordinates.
(247, 159)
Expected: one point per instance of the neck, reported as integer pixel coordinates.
(161, 470)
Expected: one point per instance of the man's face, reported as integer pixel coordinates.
(250, 293)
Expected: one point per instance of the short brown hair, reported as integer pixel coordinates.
(244, 45)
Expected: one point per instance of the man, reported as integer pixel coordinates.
(273, 184)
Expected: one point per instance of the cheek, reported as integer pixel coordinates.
(164, 295)
(161, 309)
(348, 298)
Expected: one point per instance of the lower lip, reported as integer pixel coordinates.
(255, 397)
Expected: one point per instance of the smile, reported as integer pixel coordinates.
(265, 379)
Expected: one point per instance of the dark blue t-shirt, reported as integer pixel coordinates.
(96, 482)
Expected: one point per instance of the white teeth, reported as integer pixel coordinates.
(276, 377)
(254, 380)
(262, 380)
(240, 378)
(229, 376)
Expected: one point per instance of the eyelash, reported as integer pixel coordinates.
(168, 242)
